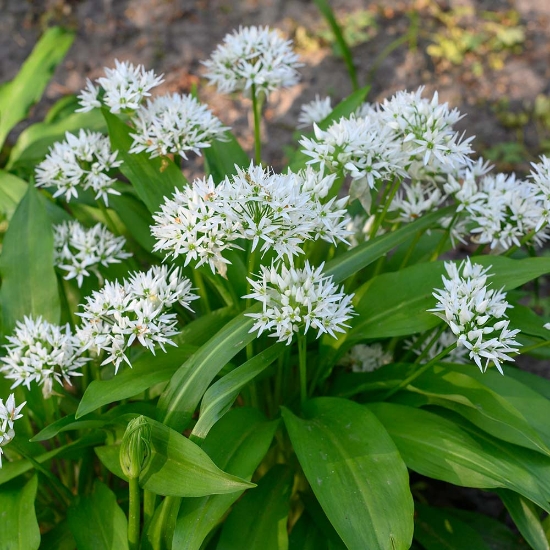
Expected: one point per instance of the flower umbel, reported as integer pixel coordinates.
(475, 314)
(41, 352)
(366, 358)
(9, 413)
(293, 299)
(79, 251)
(121, 313)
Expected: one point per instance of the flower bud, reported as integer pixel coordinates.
(135, 447)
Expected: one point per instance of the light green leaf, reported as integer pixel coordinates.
(220, 396)
(237, 443)
(186, 388)
(18, 96)
(18, 525)
(29, 283)
(12, 190)
(178, 467)
(526, 518)
(97, 522)
(153, 179)
(440, 448)
(222, 156)
(355, 471)
(269, 505)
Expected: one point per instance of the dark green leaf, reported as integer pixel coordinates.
(153, 179)
(18, 525)
(355, 472)
(97, 521)
(18, 96)
(59, 538)
(237, 444)
(222, 156)
(29, 283)
(269, 505)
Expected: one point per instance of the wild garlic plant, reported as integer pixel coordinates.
(266, 354)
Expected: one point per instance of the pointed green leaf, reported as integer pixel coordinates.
(12, 190)
(97, 522)
(443, 449)
(355, 472)
(269, 505)
(29, 283)
(178, 467)
(18, 96)
(18, 525)
(237, 444)
(526, 518)
(153, 179)
(220, 396)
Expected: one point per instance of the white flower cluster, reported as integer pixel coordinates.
(415, 200)
(295, 298)
(174, 124)
(275, 211)
(366, 358)
(502, 209)
(405, 136)
(78, 250)
(475, 314)
(122, 89)
(41, 352)
(253, 56)
(314, 111)
(80, 161)
(120, 313)
(9, 413)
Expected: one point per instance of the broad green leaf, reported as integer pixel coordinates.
(153, 179)
(396, 304)
(440, 448)
(11, 470)
(355, 471)
(361, 256)
(222, 156)
(34, 142)
(305, 535)
(97, 522)
(537, 383)
(527, 321)
(160, 530)
(237, 444)
(65, 424)
(147, 371)
(501, 406)
(109, 455)
(439, 529)
(220, 396)
(29, 283)
(18, 96)
(269, 505)
(328, 14)
(18, 525)
(12, 190)
(59, 538)
(186, 388)
(526, 518)
(178, 467)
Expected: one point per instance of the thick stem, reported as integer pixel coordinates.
(388, 200)
(134, 514)
(302, 358)
(257, 112)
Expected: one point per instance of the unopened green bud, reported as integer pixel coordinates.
(135, 447)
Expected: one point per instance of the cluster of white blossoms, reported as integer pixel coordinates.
(134, 310)
(82, 161)
(502, 210)
(366, 358)
(79, 251)
(253, 57)
(174, 124)
(405, 136)
(41, 352)
(9, 413)
(314, 111)
(475, 314)
(294, 298)
(122, 89)
(277, 212)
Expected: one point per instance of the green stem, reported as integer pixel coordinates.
(388, 200)
(149, 505)
(443, 240)
(411, 249)
(134, 514)
(434, 339)
(302, 357)
(418, 372)
(257, 112)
